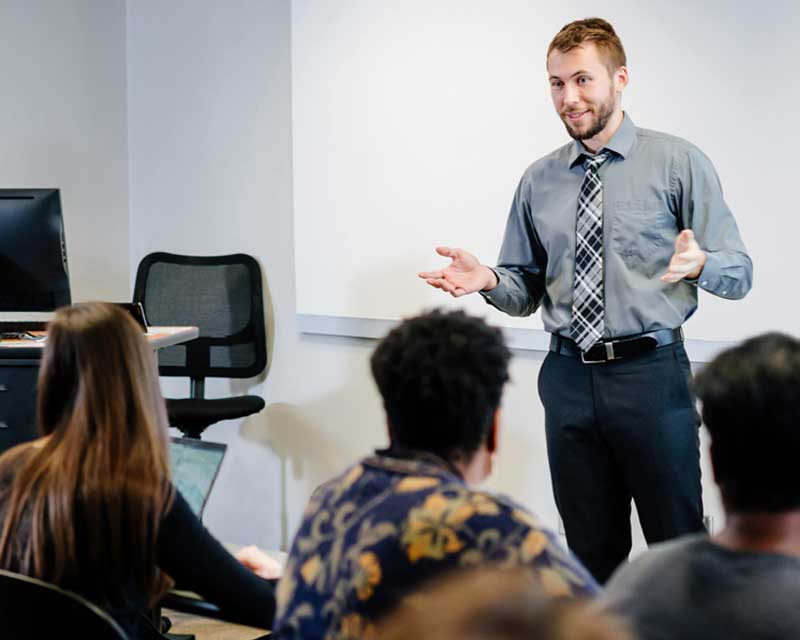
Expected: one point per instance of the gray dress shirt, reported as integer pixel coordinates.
(654, 186)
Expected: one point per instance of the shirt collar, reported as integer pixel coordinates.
(620, 143)
(413, 462)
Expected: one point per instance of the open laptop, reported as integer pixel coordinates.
(195, 465)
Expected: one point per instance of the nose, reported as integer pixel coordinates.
(571, 94)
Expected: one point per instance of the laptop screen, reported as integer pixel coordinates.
(195, 464)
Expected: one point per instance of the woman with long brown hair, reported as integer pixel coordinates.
(89, 505)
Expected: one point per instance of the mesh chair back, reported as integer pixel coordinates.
(221, 295)
(31, 609)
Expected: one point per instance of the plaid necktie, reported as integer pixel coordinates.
(587, 295)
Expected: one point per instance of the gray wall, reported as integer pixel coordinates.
(63, 124)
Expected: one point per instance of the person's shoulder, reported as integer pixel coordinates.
(527, 527)
(667, 143)
(508, 508)
(671, 550)
(524, 540)
(340, 483)
(543, 168)
(663, 557)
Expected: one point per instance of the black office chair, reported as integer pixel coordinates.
(222, 296)
(31, 609)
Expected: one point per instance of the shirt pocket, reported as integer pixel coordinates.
(643, 235)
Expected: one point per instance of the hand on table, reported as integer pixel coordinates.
(463, 275)
(687, 261)
(259, 562)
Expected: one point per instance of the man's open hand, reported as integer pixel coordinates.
(463, 275)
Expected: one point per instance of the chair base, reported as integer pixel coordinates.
(192, 416)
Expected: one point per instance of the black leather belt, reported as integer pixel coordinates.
(618, 349)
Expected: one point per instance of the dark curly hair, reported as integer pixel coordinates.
(751, 406)
(441, 375)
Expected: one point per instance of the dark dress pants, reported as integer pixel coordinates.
(620, 430)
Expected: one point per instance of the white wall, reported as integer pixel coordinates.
(210, 134)
(63, 124)
(210, 157)
(414, 121)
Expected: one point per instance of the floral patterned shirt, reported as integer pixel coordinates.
(371, 535)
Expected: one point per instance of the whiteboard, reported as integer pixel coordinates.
(413, 122)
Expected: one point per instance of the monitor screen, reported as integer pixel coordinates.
(33, 254)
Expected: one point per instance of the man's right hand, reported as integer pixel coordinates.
(463, 275)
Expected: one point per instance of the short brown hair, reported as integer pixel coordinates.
(594, 30)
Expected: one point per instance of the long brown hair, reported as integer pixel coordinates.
(86, 501)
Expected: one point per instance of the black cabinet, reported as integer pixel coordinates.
(17, 397)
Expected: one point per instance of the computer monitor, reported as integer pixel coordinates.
(33, 254)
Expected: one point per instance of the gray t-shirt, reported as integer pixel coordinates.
(693, 588)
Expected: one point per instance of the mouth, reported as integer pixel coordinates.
(575, 116)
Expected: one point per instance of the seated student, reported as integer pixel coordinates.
(89, 506)
(743, 582)
(496, 604)
(404, 514)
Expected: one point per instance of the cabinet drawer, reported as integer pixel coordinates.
(17, 405)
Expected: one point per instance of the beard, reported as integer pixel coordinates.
(602, 116)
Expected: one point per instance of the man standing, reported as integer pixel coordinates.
(611, 235)
(745, 581)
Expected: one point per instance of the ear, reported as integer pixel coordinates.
(492, 439)
(620, 79)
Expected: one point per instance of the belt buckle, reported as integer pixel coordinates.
(609, 356)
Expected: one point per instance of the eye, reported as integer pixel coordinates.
(556, 84)
(584, 80)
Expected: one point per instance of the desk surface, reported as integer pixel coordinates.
(158, 337)
(165, 336)
(210, 629)
(194, 615)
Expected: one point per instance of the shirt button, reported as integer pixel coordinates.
(704, 282)
(724, 292)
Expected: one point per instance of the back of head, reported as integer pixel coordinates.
(595, 30)
(441, 376)
(496, 604)
(86, 502)
(98, 381)
(750, 404)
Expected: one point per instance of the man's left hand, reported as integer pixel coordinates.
(687, 261)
